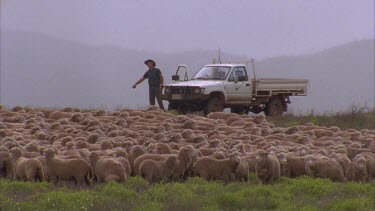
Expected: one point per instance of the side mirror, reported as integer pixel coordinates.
(175, 77)
(241, 78)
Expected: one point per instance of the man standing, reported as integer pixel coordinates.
(155, 82)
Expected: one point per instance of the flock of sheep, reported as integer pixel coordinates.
(93, 147)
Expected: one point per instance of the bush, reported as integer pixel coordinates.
(357, 119)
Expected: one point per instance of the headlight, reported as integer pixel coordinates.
(167, 90)
(198, 90)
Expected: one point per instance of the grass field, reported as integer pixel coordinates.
(344, 120)
(195, 194)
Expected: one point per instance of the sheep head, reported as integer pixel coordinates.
(15, 153)
(49, 153)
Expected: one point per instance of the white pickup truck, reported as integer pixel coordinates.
(219, 86)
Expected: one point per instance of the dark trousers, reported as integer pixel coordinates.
(155, 92)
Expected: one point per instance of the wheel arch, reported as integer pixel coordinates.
(218, 94)
(281, 97)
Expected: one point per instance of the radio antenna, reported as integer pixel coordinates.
(219, 55)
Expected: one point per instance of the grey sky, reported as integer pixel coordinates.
(255, 28)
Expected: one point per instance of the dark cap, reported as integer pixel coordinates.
(150, 60)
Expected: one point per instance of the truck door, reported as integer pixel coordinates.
(238, 87)
(181, 74)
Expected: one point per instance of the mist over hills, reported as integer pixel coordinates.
(44, 71)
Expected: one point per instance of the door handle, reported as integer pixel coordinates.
(247, 84)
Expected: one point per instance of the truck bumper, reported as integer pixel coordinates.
(185, 97)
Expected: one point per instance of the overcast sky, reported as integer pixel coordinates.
(260, 29)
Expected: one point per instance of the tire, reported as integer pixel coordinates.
(184, 109)
(172, 106)
(214, 104)
(274, 107)
(256, 109)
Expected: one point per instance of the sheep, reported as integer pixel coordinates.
(370, 164)
(291, 130)
(17, 109)
(356, 170)
(323, 132)
(155, 171)
(243, 171)
(6, 165)
(302, 150)
(342, 159)
(123, 136)
(107, 169)
(295, 166)
(65, 169)
(133, 155)
(77, 118)
(122, 157)
(251, 161)
(26, 169)
(185, 157)
(283, 163)
(213, 169)
(187, 134)
(220, 115)
(219, 155)
(267, 167)
(324, 167)
(57, 115)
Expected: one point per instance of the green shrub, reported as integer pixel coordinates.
(352, 204)
(293, 123)
(173, 111)
(313, 187)
(137, 184)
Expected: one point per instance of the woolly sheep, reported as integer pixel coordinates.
(356, 170)
(107, 169)
(155, 171)
(26, 169)
(324, 167)
(213, 169)
(65, 169)
(267, 167)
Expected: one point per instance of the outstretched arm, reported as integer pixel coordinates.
(138, 82)
(161, 80)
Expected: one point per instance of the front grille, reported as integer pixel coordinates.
(181, 90)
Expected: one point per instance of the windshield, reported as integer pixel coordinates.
(211, 73)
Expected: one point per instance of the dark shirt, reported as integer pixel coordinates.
(153, 77)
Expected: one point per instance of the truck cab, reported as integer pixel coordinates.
(218, 86)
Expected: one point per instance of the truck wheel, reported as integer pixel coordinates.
(214, 104)
(172, 106)
(274, 107)
(256, 109)
(185, 109)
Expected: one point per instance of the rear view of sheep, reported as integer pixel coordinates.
(155, 171)
(26, 169)
(107, 169)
